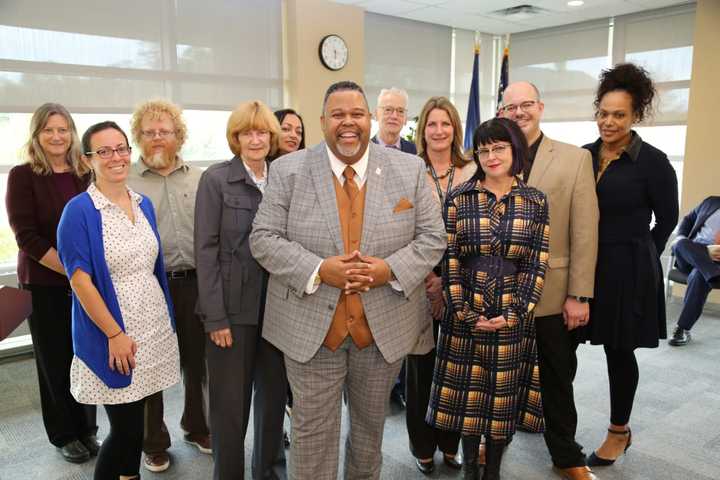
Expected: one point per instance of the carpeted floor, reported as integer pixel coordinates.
(676, 422)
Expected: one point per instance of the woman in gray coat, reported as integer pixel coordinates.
(231, 301)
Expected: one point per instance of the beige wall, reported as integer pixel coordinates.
(701, 171)
(306, 23)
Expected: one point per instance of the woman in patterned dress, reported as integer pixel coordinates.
(493, 277)
(123, 332)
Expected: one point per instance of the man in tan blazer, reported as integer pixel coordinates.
(564, 173)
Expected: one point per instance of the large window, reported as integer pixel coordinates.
(101, 62)
(565, 62)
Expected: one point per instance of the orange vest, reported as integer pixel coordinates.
(349, 317)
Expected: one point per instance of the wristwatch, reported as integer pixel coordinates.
(580, 299)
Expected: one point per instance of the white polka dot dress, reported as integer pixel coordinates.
(130, 253)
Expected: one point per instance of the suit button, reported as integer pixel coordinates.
(351, 319)
(353, 215)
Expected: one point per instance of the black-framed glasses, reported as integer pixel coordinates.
(497, 150)
(107, 152)
(524, 106)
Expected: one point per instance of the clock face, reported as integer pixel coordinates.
(333, 52)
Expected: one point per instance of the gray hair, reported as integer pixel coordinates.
(394, 91)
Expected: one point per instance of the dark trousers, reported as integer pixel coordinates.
(399, 387)
(121, 450)
(423, 438)
(191, 343)
(250, 363)
(693, 259)
(623, 375)
(558, 365)
(50, 327)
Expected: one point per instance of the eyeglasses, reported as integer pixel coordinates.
(390, 110)
(107, 152)
(524, 106)
(497, 150)
(150, 134)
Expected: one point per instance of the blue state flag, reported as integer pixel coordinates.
(473, 111)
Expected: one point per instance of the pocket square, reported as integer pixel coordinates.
(402, 205)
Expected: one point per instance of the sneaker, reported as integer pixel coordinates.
(680, 337)
(202, 442)
(157, 462)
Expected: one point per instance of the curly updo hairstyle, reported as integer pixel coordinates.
(632, 79)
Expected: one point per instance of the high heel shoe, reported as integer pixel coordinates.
(596, 461)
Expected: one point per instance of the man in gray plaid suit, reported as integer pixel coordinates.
(348, 231)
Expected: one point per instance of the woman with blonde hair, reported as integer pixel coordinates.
(231, 300)
(440, 144)
(37, 192)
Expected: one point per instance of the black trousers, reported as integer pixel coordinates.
(424, 439)
(558, 365)
(623, 374)
(694, 260)
(191, 343)
(50, 327)
(251, 363)
(122, 448)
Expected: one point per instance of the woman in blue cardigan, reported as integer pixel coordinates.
(123, 331)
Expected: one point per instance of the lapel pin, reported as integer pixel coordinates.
(377, 172)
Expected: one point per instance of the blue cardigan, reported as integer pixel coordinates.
(80, 246)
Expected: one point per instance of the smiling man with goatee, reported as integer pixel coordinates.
(348, 230)
(159, 130)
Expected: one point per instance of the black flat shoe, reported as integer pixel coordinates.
(596, 461)
(92, 444)
(426, 468)
(452, 462)
(74, 452)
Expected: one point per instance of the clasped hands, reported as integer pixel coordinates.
(354, 272)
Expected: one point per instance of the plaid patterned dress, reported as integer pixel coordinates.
(477, 378)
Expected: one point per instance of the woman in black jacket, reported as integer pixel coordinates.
(635, 182)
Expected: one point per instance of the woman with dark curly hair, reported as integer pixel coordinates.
(634, 182)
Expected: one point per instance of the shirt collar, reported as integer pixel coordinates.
(360, 167)
(256, 180)
(100, 201)
(381, 142)
(141, 167)
(632, 149)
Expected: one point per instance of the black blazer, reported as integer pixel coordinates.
(693, 221)
(405, 146)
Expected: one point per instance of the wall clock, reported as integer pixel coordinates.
(333, 52)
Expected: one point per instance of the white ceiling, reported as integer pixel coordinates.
(477, 14)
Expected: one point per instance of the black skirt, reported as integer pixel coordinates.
(628, 310)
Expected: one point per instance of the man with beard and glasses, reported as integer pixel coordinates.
(348, 230)
(159, 130)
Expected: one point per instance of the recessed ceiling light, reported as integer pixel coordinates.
(576, 3)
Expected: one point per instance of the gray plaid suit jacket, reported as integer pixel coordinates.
(297, 225)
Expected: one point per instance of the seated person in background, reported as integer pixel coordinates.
(697, 254)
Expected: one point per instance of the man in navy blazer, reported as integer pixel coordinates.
(391, 114)
(697, 253)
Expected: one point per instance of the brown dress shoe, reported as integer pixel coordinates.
(576, 473)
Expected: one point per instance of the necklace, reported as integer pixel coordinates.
(447, 172)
